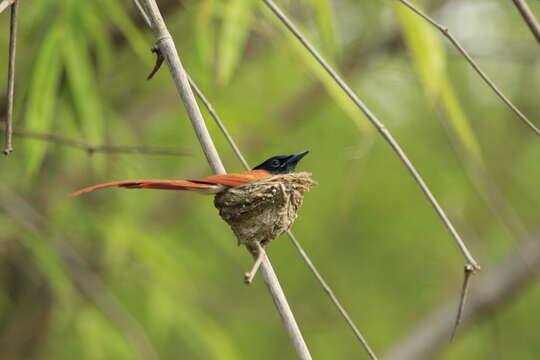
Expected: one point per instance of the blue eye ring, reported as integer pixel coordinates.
(275, 163)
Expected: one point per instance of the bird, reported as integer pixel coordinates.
(211, 185)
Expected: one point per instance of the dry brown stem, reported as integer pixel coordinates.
(8, 146)
(468, 272)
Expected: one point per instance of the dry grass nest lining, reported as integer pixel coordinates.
(265, 209)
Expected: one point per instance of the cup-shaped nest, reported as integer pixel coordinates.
(263, 210)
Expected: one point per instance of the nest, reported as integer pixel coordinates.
(263, 210)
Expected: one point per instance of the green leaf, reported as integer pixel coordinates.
(99, 336)
(135, 38)
(80, 78)
(39, 14)
(459, 122)
(94, 25)
(429, 57)
(42, 96)
(47, 260)
(330, 85)
(426, 49)
(325, 19)
(204, 33)
(237, 20)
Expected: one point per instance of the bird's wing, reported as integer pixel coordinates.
(208, 185)
(234, 180)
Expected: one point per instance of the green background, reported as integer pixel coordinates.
(166, 261)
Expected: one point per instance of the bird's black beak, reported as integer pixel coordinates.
(294, 159)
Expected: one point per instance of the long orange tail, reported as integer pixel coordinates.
(150, 184)
(208, 185)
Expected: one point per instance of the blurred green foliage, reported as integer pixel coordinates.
(168, 259)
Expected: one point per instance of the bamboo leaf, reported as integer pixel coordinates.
(429, 56)
(426, 49)
(94, 25)
(99, 339)
(42, 96)
(459, 122)
(80, 77)
(47, 260)
(237, 20)
(333, 89)
(38, 15)
(204, 33)
(135, 38)
(325, 19)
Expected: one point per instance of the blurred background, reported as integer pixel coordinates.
(121, 274)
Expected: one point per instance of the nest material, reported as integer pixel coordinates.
(265, 209)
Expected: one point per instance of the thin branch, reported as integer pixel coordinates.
(380, 127)
(494, 289)
(142, 12)
(80, 274)
(5, 3)
(529, 18)
(444, 30)
(8, 146)
(166, 45)
(258, 255)
(91, 149)
(467, 272)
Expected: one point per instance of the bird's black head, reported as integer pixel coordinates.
(282, 164)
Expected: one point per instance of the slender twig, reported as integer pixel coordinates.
(529, 18)
(380, 127)
(4, 4)
(142, 11)
(259, 255)
(80, 274)
(293, 239)
(8, 146)
(493, 290)
(467, 272)
(166, 45)
(444, 30)
(89, 148)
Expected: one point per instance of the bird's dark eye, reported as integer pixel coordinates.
(275, 163)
